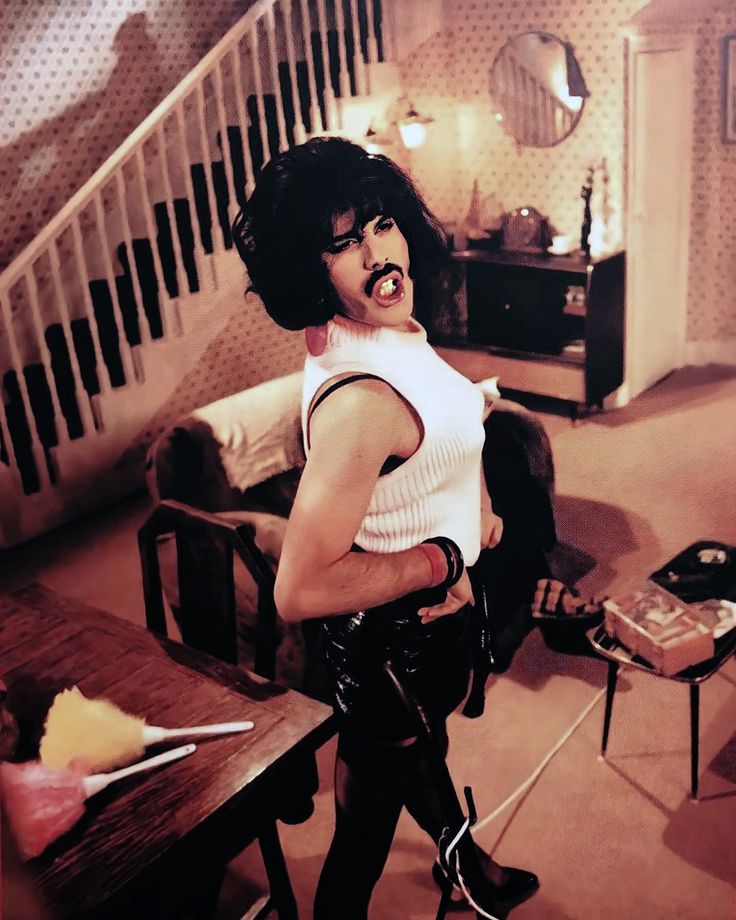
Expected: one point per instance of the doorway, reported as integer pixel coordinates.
(660, 128)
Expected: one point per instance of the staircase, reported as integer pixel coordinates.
(107, 309)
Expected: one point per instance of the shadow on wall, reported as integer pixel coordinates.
(43, 167)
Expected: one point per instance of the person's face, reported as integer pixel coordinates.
(368, 267)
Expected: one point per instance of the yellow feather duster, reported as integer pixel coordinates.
(103, 736)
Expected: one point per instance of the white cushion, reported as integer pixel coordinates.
(259, 430)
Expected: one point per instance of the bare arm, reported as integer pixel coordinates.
(352, 433)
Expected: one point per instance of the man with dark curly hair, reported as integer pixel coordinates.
(391, 505)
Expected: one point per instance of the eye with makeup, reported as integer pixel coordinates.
(345, 241)
(338, 246)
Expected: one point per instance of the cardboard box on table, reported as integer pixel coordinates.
(659, 627)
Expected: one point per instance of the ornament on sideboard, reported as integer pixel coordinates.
(525, 230)
(586, 192)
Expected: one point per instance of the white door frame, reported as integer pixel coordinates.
(643, 44)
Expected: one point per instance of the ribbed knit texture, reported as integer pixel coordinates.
(437, 490)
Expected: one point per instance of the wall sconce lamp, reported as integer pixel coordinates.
(411, 127)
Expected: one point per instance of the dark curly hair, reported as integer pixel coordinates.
(284, 228)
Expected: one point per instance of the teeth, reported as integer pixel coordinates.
(387, 288)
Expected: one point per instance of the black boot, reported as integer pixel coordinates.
(460, 865)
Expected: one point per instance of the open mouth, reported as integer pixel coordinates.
(388, 289)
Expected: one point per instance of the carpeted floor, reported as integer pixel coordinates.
(608, 839)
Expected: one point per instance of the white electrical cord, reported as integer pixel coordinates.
(527, 782)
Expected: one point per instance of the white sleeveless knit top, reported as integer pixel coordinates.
(436, 491)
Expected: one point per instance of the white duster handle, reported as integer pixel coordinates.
(99, 781)
(153, 734)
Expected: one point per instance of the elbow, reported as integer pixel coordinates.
(291, 602)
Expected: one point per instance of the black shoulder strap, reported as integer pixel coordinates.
(341, 383)
(391, 463)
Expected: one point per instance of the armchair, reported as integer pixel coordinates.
(224, 479)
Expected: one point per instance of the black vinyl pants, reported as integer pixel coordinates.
(373, 782)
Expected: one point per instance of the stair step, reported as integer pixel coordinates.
(185, 232)
(20, 434)
(189, 236)
(165, 244)
(85, 349)
(202, 206)
(107, 330)
(61, 367)
(143, 258)
(222, 198)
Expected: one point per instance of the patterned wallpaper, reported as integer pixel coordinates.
(76, 77)
(712, 287)
(449, 78)
(250, 349)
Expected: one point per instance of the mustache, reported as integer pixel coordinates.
(380, 273)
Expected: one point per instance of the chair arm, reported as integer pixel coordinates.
(519, 472)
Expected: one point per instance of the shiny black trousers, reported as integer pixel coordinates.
(433, 660)
(380, 766)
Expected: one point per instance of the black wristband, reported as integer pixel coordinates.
(454, 557)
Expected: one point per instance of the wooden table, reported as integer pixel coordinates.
(151, 840)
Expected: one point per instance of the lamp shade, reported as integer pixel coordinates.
(575, 82)
(413, 134)
(412, 128)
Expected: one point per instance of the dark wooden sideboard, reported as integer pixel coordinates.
(552, 325)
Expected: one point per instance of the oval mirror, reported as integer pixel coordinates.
(537, 89)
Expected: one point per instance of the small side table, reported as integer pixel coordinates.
(617, 655)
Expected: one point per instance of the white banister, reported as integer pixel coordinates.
(255, 57)
(80, 394)
(103, 371)
(372, 44)
(242, 121)
(143, 327)
(341, 50)
(44, 353)
(227, 159)
(10, 451)
(315, 113)
(168, 306)
(189, 186)
(39, 457)
(182, 283)
(217, 233)
(300, 133)
(106, 249)
(75, 204)
(329, 93)
(80, 312)
(358, 59)
(271, 39)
